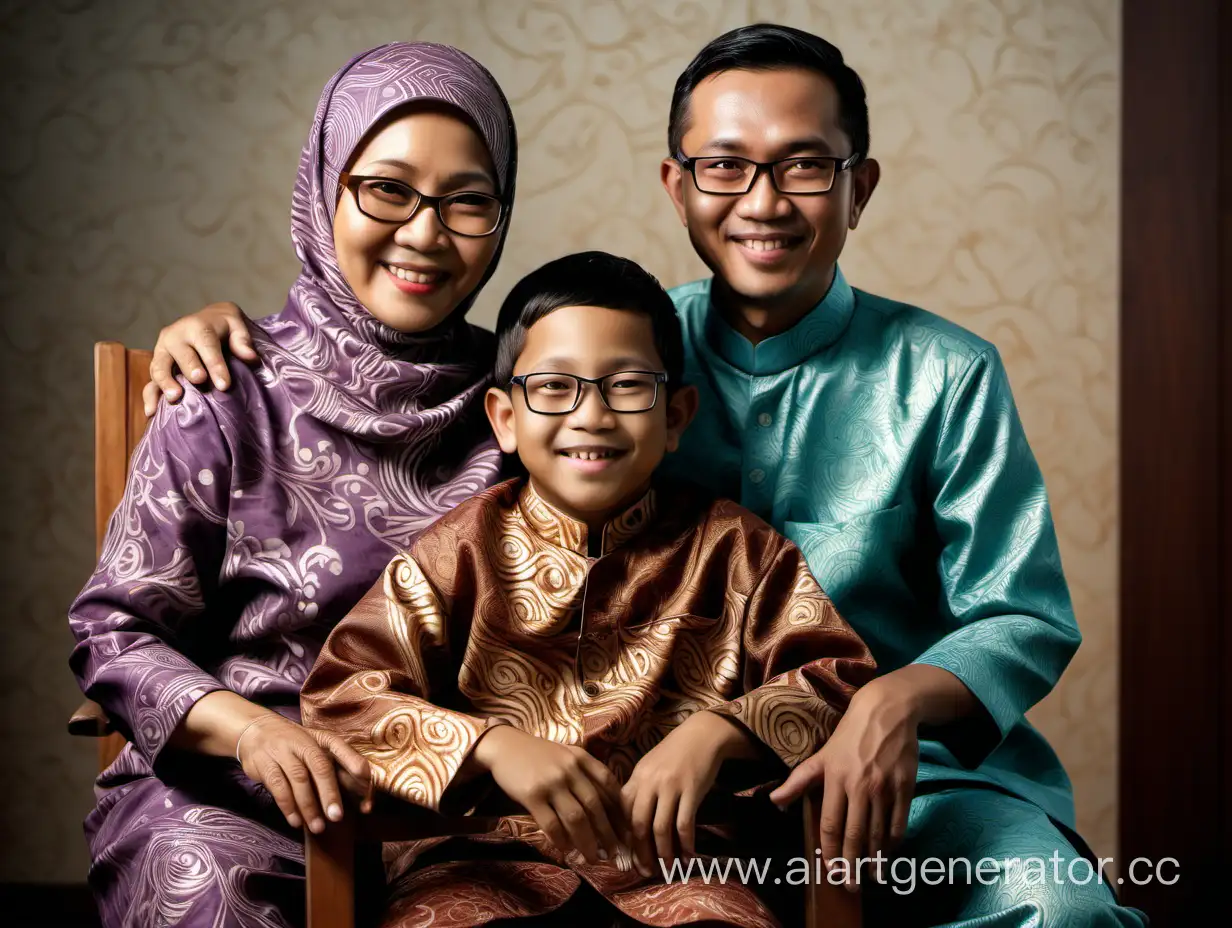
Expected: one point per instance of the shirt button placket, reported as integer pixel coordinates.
(761, 457)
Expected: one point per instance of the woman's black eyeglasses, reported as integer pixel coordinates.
(467, 212)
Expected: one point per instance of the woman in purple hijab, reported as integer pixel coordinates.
(254, 519)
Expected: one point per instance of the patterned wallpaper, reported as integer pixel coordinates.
(147, 167)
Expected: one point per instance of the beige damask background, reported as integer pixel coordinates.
(148, 156)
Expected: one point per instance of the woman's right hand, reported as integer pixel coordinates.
(573, 797)
(302, 768)
(193, 344)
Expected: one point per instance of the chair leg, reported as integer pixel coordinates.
(109, 748)
(329, 864)
(826, 905)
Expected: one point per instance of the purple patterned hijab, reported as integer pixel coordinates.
(341, 365)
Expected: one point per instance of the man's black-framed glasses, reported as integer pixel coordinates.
(730, 175)
(467, 212)
(553, 394)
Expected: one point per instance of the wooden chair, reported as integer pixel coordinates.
(330, 857)
(120, 374)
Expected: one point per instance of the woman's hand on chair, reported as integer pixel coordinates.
(302, 768)
(572, 796)
(193, 345)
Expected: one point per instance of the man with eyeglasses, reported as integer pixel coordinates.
(884, 441)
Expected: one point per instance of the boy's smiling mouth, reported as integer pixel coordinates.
(591, 458)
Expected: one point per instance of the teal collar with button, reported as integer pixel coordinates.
(821, 328)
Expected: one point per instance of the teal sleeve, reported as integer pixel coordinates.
(1003, 591)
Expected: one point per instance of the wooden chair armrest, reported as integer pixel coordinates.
(90, 721)
(826, 905)
(329, 870)
(394, 820)
(330, 856)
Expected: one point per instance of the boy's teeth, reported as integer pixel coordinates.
(763, 245)
(413, 276)
(588, 455)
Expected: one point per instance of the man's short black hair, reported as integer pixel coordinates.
(588, 278)
(768, 47)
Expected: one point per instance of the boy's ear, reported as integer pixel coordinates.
(681, 409)
(499, 406)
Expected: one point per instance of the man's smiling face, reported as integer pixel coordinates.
(771, 251)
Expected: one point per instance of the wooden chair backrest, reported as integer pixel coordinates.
(120, 374)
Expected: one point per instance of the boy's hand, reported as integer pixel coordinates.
(192, 344)
(668, 785)
(573, 797)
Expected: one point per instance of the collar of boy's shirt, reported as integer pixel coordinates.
(564, 531)
(817, 331)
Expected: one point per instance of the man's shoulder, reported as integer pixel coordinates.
(692, 298)
(919, 327)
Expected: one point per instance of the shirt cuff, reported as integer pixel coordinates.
(161, 686)
(972, 739)
(791, 721)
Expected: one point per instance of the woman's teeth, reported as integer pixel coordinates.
(414, 277)
(763, 244)
(590, 455)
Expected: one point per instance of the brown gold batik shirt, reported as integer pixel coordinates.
(505, 613)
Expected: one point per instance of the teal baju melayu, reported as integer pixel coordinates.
(885, 442)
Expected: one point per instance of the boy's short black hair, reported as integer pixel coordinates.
(766, 47)
(588, 278)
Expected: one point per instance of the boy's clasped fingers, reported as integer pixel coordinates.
(572, 797)
(593, 788)
(352, 768)
(661, 816)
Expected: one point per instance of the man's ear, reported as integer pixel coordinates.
(499, 406)
(672, 175)
(864, 180)
(681, 409)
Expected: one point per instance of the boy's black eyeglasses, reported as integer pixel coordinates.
(467, 212)
(732, 176)
(553, 394)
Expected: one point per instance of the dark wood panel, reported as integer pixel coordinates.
(1174, 456)
(39, 905)
(1225, 368)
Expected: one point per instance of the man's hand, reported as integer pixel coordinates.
(193, 344)
(573, 797)
(868, 767)
(668, 785)
(867, 773)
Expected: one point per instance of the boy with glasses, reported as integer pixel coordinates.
(593, 641)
